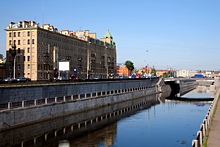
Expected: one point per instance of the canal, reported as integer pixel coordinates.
(138, 123)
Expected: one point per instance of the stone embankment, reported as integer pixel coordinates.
(202, 133)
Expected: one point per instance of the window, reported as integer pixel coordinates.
(32, 41)
(28, 66)
(10, 34)
(19, 67)
(28, 33)
(18, 58)
(9, 42)
(24, 58)
(28, 59)
(14, 34)
(19, 42)
(14, 42)
(28, 50)
(18, 34)
(28, 41)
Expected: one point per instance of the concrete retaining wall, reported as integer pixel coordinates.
(19, 93)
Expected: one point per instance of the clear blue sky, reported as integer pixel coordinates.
(181, 34)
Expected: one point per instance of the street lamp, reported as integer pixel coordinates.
(88, 60)
(147, 64)
(14, 63)
(106, 62)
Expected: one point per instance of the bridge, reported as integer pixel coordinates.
(180, 86)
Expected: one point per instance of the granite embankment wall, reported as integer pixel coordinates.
(19, 93)
(38, 103)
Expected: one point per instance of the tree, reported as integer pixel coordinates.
(168, 74)
(154, 72)
(130, 66)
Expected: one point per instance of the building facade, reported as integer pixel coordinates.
(35, 52)
(2, 67)
(186, 73)
(122, 70)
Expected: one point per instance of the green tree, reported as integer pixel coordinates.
(165, 75)
(130, 66)
(154, 72)
(168, 74)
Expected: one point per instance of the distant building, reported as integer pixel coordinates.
(38, 51)
(144, 71)
(210, 74)
(186, 73)
(122, 70)
(160, 72)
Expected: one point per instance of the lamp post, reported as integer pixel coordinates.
(88, 61)
(147, 64)
(106, 62)
(14, 63)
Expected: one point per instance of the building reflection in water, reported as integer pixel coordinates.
(64, 143)
(92, 127)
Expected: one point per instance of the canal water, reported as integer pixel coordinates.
(157, 123)
(168, 124)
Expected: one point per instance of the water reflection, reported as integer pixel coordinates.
(200, 92)
(64, 143)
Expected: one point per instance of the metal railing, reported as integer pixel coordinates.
(51, 100)
(198, 142)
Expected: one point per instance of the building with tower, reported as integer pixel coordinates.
(37, 52)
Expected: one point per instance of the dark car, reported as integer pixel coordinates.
(23, 79)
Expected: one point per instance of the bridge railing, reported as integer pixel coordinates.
(198, 142)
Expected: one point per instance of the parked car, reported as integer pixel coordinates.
(62, 78)
(10, 80)
(23, 79)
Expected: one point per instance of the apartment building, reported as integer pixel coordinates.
(122, 70)
(36, 52)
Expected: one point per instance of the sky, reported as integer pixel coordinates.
(176, 34)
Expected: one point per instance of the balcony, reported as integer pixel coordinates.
(46, 54)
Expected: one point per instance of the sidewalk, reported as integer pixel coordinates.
(214, 134)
